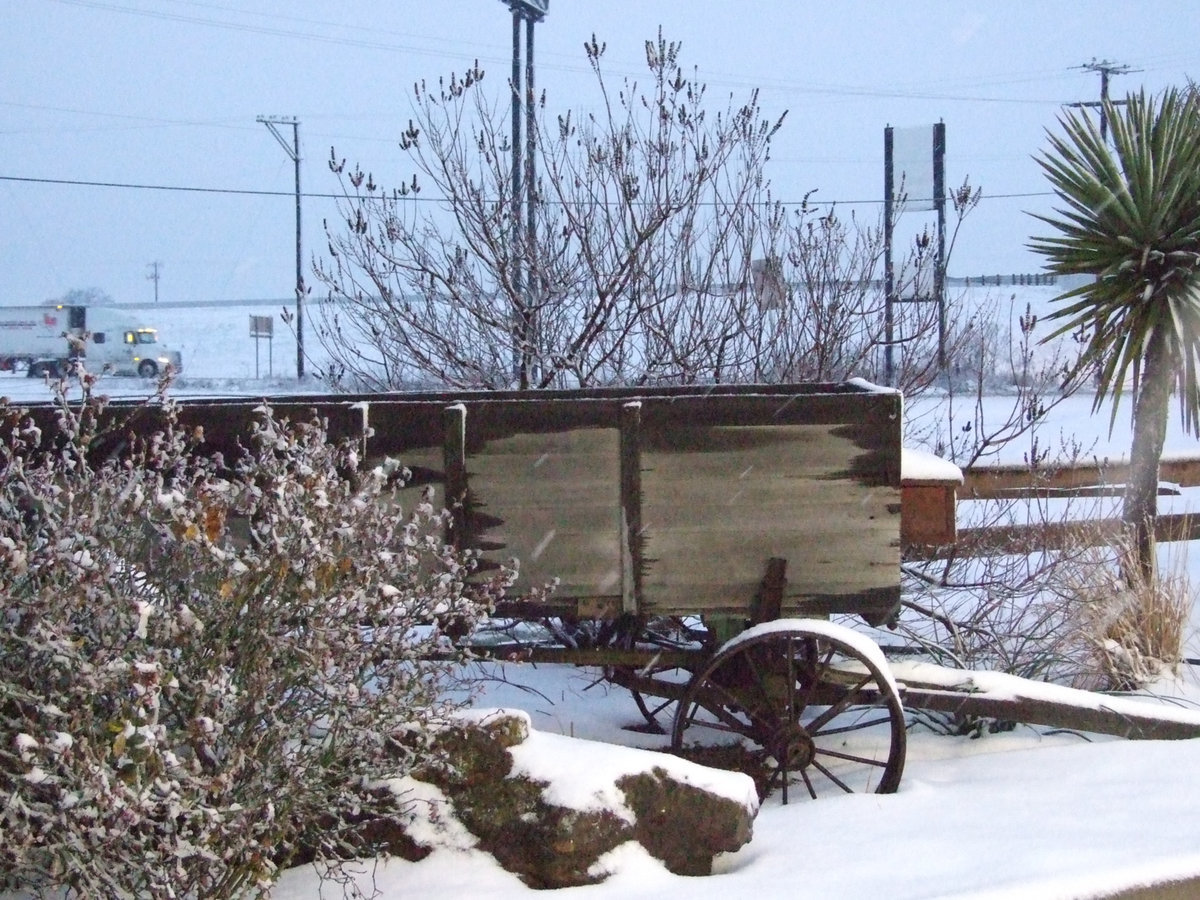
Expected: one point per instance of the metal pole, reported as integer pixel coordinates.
(516, 110)
(524, 326)
(531, 286)
(939, 203)
(889, 287)
(516, 195)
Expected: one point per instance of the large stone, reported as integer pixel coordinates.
(683, 825)
(550, 845)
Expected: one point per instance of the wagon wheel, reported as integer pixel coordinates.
(814, 698)
(658, 707)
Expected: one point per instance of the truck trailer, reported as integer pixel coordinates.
(43, 339)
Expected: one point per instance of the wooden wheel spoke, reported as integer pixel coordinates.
(837, 754)
(739, 730)
(824, 771)
(837, 708)
(655, 710)
(727, 721)
(812, 791)
(765, 700)
(819, 669)
(857, 726)
(779, 777)
(754, 713)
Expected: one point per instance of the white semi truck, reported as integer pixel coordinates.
(42, 339)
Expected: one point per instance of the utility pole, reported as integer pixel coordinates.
(293, 152)
(154, 276)
(1107, 68)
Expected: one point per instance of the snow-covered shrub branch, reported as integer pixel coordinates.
(648, 249)
(205, 663)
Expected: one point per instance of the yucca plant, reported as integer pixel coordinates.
(1130, 218)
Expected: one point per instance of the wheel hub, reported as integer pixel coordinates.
(792, 747)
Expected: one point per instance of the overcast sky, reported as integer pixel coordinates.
(165, 93)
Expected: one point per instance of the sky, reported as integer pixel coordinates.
(100, 96)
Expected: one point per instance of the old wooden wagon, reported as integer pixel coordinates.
(697, 540)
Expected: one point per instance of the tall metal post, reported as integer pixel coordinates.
(515, 225)
(532, 289)
(293, 152)
(523, 186)
(939, 204)
(889, 273)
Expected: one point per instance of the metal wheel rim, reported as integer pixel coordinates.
(857, 734)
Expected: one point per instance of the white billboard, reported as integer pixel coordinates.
(912, 166)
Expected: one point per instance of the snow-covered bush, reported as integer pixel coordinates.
(1135, 625)
(205, 663)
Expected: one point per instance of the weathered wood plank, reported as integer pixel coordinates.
(1036, 711)
(552, 500)
(1001, 540)
(987, 482)
(718, 502)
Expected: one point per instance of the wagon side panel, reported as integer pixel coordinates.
(817, 486)
(551, 500)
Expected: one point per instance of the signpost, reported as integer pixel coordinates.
(263, 327)
(919, 154)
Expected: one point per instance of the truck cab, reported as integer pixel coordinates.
(127, 349)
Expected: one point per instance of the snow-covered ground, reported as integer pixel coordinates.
(1024, 814)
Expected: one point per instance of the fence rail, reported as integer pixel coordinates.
(1085, 479)
(991, 482)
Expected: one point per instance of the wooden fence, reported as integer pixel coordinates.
(1095, 479)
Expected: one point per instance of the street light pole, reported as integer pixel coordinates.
(523, 182)
(293, 153)
(514, 230)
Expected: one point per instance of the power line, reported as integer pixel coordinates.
(174, 187)
(715, 78)
(71, 182)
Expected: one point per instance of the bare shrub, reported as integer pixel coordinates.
(652, 251)
(205, 663)
(1134, 626)
(996, 355)
(1035, 588)
(1020, 590)
(1006, 599)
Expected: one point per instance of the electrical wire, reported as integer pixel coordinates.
(72, 182)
